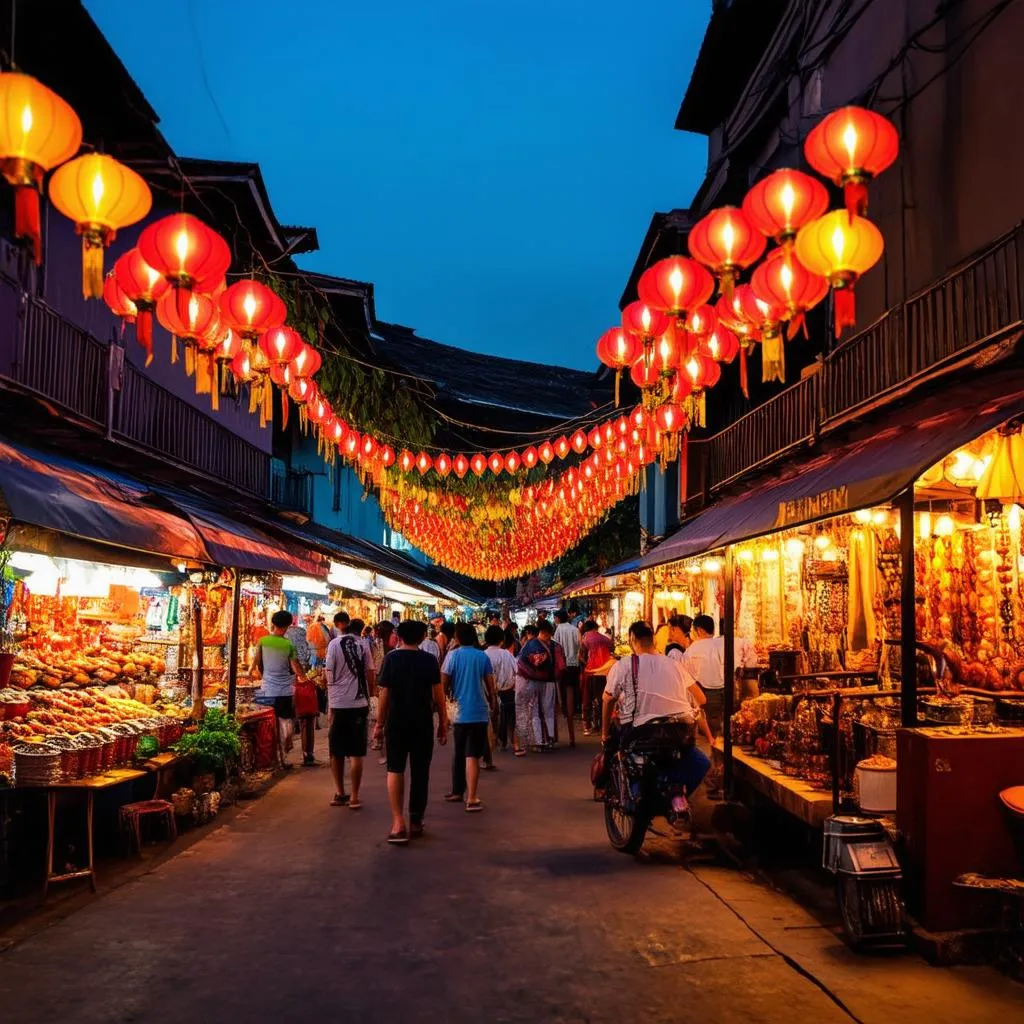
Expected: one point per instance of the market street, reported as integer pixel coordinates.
(523, 913)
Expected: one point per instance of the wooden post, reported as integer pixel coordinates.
(198, 708)
(648, 577)
(908, 611)
(728, 631)
(236, 608)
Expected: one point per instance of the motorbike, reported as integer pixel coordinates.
(645, 777)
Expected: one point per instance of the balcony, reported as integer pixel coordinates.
(972, 307)
(292, 491)
(45, 355)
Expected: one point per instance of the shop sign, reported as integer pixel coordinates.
(816, 506)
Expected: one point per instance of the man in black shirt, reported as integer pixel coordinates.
(410, 691)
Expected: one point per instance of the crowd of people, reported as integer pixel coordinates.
(400, 685)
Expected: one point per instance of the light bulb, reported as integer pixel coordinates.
(924, 524)
(944, 526)
(746, 555)
(795, 547)
(823, 541)
(862, 515)
(770, 555)
(711, 566)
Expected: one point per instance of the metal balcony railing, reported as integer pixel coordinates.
(292, 491)
(971, 306)
(46, 355)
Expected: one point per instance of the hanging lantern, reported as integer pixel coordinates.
(695, 376)
(700, 324)
(186, 252)
(38, 132)
(143, 285)
(478, 464)
(767, 318)
(671, 420)
(251, 308)
(101, 195)
(668, 352)
(850, 147)
(594, 438)
(406, 461)
(281, 345)
(512, 462)
(306, 362)
(646, 375)
(117, 300)
(783, 202)
(675, 285)
(201, 318)
(644, 323)
(496, 463)
(726, 243)
(730, 313)
(617, 349)
(387, 456)
(579, 442)
(546, 453)
(301, 389)
(424, 463)
(443, 464)
(241, 367)
(722, 345)
(784, 282)
(841, 249)
(460, 465)
(336, 431)
(530, 457)
(562, 447)
(352, 443)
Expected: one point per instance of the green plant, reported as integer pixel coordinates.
(213, 744)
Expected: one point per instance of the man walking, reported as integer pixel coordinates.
(350, 684)
(410, 693)
(467, 674)
(503, 666)
(705, 660)
(567, 636)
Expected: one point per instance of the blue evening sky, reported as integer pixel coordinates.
(491, 167)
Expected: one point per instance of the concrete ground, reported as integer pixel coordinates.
(297, 910)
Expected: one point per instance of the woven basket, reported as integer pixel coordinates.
(91, 754)
(36, 765)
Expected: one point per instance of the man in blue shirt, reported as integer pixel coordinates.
(467, 675)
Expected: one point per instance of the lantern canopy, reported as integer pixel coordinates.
(38, 132)
(726, 242)
(850, 147)
(780, 204)
(101, 195)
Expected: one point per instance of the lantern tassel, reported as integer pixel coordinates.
(845, 308)
(267, 406)
(144, 332)
(92, 268)
(773, 357)
(174, 349)
(727, 283)
(744, 384)
(190, 361)
(855, 193)
(254, 396)
(26, 220)
(796, 325)
(684, 454)
(284, 410)
(618, 378)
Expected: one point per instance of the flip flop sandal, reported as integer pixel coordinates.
(398, 838)
(475, 806)
(453, 798)
(520, 753)
(340, 800)
(355, 805)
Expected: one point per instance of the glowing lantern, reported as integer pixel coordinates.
(406, 461)
(546, 453)
(722, 344)
(726, 242)
(696, 374)
(251, 309)
(352, 443)
(840, 248)
(646, 373)
(460, 465)
(281, 345)
(562, 447)
(38, 132)
(143, 285)
(594, 438)
(701, 323)
(579, 442)
(241, 369)
(186, 252)
(783, 202)
(641, 321)
(306, 363)
(671, 419)
(368, 448)
(117, 300)
(667, 352)
(201, 320)
(675, 285)
(851, 146)
(101, 196)
(387, 456)
(767, 318)
(424, 463)
(302, 390)
(512, 462)
(530, 457)
(496, 463)
(478, 464)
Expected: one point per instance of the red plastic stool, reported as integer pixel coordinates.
(131, 816)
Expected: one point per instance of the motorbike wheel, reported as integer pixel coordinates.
(626, 830)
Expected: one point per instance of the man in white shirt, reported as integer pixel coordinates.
(567, 636)
(705, 658)
(503, 665)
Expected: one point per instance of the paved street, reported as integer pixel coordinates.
(297, 910)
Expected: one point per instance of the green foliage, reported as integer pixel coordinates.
(213, 744)
(613, 540)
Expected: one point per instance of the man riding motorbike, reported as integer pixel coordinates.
(659, 765)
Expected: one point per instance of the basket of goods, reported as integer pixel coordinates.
(92, 753)
(184, 801)
(875, 784)
(36, 764)
(14, 703)
(108, 751)
(70, 757)
(948, 710)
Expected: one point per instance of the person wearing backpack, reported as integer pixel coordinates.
(351, 681)
(538, 662)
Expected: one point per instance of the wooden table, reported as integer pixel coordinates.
(795, 796)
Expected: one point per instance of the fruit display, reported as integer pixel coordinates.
(83, 658)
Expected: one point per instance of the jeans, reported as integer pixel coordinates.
(416, 745)
(506, 715)
(544, 711)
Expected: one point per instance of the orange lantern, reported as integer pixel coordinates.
(387, 456)
(306, 362)
(594, 438)
(38, 132)
(840, 248)
(143, 285)
(675, 285)
(700, 323)
(201, 320)
(281, 345)
(851, 146)
(460, 465)
(643, 322)
(302, 390)
(443, 464)
(579, 442)
(251, 308)
(546, 453)
(406, 461)
(512, 462)
(646, 374)
(188, 253)
(767, 318)
(562, 447)
(496, 463)
(721, 344)
(117, 300)
(726, 242)
(530, 457)
(101, 195)
(667, 352)
(241, 369)
(478, 464)
(783, 202)
(424, 463)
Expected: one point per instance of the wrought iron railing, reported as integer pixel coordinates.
(43, 353)
(972, 305)
(292, 491)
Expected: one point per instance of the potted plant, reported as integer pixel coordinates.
(8, 647)
(213, 746)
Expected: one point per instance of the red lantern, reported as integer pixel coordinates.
(143, 285)
(594, 438)
(460, 465)
(675, 285)
(783, 202)
(117, 299)
(241, 367)
(387, 456)
(424, 463)
(670, 418)
(250, 308)
(478, 464)
(645, 373)
(667, 351)
(443, 465)
(530, 457)
(406, 461)
(643, 322)
(306, 362)
(722, 345)
(579, 442)
(368, 448)
(200, 320)
(562, 447)
(546, 453)
(302, 390)
(726, 242)
(496, 463)
(281, 345)
(617, 348)
(336, 431)
(350, 446)
(186, 252)
(701, 323)
(851, 146)
(608, 432)
(512, 462)
(783, 281)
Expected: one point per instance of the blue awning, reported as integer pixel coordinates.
(869, 468)
(628, 566)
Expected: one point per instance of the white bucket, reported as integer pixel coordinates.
(876, 789)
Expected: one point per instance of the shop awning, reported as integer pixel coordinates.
(547, 604)
(583, 583)
(57, 494)
(623, 568)
(869, 468)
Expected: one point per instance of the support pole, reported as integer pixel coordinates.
(198, 704)
(236, 607)
(729, 657)
(908, 611)
(648, 577)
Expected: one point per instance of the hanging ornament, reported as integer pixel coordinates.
(562, 447)
(780, 204)
(721, 344)
(460, 465)
(841, 249)
(617, 349)
(251, 308)
(478, 464)
(306, 363)
(726, 243)
(730, 313)
(594, 438)
(387, 456)
(37, 132)
(675, 285)
(117, 300)
(143, 285)
(579, 442)
(850, 147)
(101, 196)
(767, 318)
(496, 463)
(546, 453)
(642, 322)
(406, 461)
(783, 281)
(512, 462)
(530, 457)
(201, 318)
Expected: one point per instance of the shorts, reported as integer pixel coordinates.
(402, 743)
(472, 739)
(570, 680)
(347, 734)
(284, 708)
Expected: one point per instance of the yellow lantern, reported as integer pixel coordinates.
(101, 195)
(840, 248)
(38, 131)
